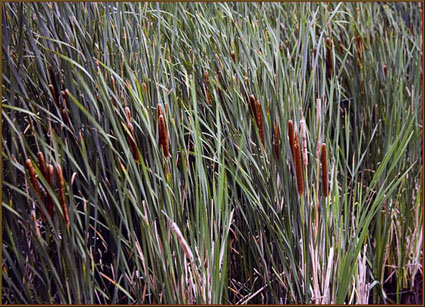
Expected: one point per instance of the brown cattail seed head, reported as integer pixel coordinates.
(259, 120)
(33, 177)
(163, 135)
(385, 70)
(276, 139)
(42, 163)
(233, 55)
(61, 184)
(329, 56)
(52, 90)
(128, 114)
(132, 142)
(324, 171)
(298, 168)
(49, 202)
(144, 87)
(159, 110)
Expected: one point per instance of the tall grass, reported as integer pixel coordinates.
(171, 186)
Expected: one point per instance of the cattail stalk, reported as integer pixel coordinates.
(324, 171)
(163, 135)
(291, 137)
(298, 167)
(276, 139)
(61, 184)
(49, 200)
(304, 142)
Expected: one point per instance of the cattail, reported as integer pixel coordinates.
(65, 97)
(276, 139)
(291, 138)
(259, 120)
(163, 135)
(329, 56)
(324, 171)
(304, 142)
(52, 90)
(186, 249)
(49, 201)
(33, 176)
(298, 168)
(218, 67)
(65, 117)
(159, 111)
(206, 83)
(233, 55)
(61, 183)
(145, 88)
(385, 70)
(42, 163)
(359, 48)
(132, 142)
(128, 114)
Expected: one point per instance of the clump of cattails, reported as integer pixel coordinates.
(62, 201)
(329, 56)
(131, 136)
(276, 139)
(256, 107)
(44, 195)
(163, 132)
(324, 171)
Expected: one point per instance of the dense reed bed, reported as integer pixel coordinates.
(212, 153)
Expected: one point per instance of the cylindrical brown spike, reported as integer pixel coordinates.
(132, 142)
(159, 110)
(233, 55)
(259, 120)
(324, 171)
(49, 201)
(163, 135)
(291, 138)
(329, 56)
(128, 114)
(65, 97)
(206, 83)
(42, 164)
(52, 90)
(33, 176)
(62, 201)
(276, 139)
(298, 168)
